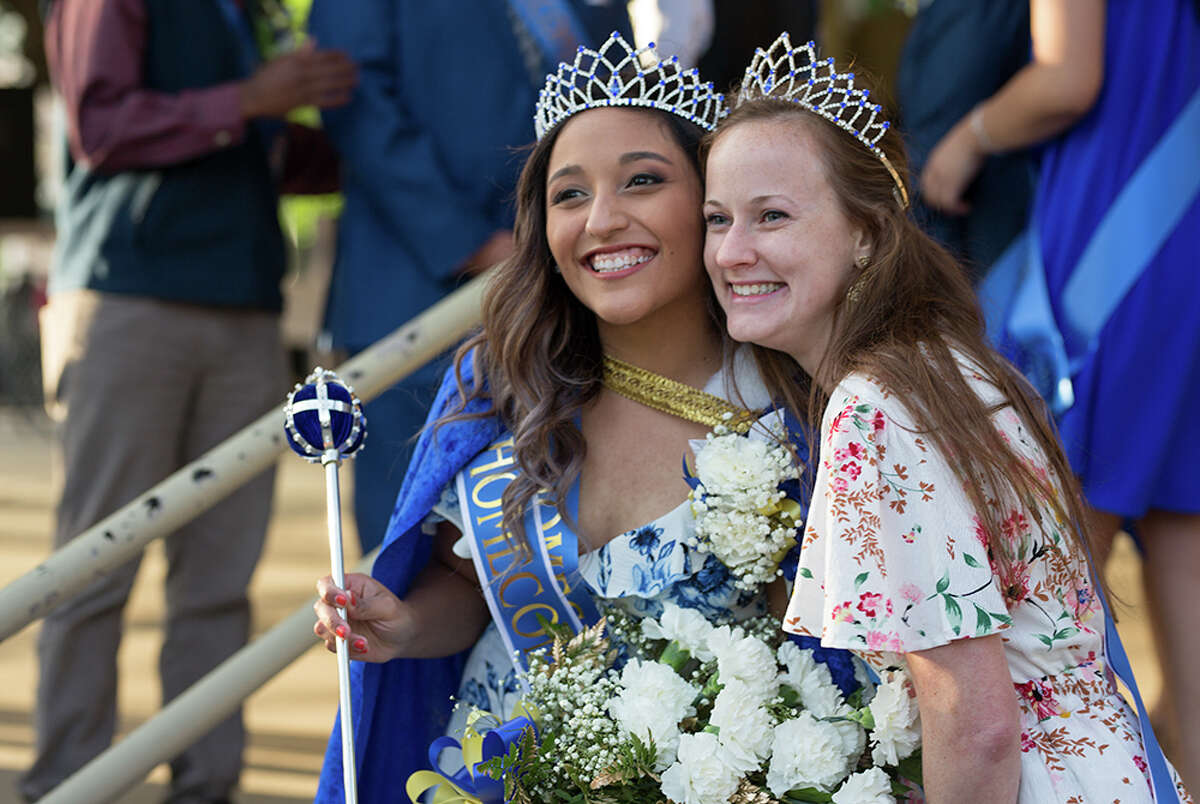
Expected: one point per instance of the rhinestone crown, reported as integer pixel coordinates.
(795, 74)
(619, 75)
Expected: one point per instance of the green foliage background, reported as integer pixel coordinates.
(299, 214)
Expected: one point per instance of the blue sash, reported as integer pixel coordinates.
(1114, 653)
(1017, 302)
(519, 592)
(553, 25)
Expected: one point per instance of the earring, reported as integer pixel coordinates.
(854, 292)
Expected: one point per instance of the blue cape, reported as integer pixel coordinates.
(401, 706)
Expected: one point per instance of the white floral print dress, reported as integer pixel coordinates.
(894, 559)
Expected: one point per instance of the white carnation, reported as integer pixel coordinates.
(746, 659)
(746, 727)
(807, 752)
(702, 774)
(684, 626)
(897, 732)
(810, 679)
(731, 463)
(872, 786)
(652, 701)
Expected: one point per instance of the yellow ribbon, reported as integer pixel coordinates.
(447, 791)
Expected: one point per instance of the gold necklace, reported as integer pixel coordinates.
(666, 395)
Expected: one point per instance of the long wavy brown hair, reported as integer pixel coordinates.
(915, 309)
(538, 358)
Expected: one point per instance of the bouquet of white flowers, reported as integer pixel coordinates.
(719, 714)
(743, 516)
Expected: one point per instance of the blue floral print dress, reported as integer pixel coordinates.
(637, 572)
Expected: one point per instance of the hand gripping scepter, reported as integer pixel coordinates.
(325, 423)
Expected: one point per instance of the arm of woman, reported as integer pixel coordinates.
(1046, 97)
(970, 724)
(443, 613)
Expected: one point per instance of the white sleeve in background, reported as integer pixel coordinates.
(682, 28)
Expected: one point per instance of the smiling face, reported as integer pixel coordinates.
(779, 249)
(623, 217)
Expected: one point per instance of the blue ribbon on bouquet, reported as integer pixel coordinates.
(469, 785)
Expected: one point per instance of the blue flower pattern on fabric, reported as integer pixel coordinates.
(645, 539)
(645, 567)
(474, 694)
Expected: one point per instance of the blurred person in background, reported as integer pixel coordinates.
(429, 152)
(161, 336)
(1103, 318)
(683, 28)
(946, 68)
(745, 26)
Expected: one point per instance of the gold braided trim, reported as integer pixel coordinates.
(674, 398)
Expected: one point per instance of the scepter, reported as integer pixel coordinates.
(325, 423)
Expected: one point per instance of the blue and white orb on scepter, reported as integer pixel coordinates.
(324, 419)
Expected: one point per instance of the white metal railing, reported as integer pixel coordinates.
(219, 472)
(181, 497)
(193, 713)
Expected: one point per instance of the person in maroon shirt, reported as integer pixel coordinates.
(161, 336)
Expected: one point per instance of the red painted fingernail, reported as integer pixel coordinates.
(340, 631)
(360, 644)
(352, 601)
(340, 600)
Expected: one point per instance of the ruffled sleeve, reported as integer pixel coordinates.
(893, 559)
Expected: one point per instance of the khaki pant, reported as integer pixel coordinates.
(142, 387)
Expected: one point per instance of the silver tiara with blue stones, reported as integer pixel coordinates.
(783, 72)
(619, 75)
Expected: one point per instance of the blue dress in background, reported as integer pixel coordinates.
(1132, 430)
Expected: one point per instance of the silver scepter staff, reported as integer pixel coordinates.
(325, 423)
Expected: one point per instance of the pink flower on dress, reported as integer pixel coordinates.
(869, 603)
(839, 485)
(1141, 763)
(840, 455)
(852, 469)
(843, 613)
(909, 537)
(1016, 585)
(981, 532)
(911, 593)
(876, 640)
(856, 450)
(1027, 743)
(1040, 696)
(839, 421)
(1015, 527)
(877, 421)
